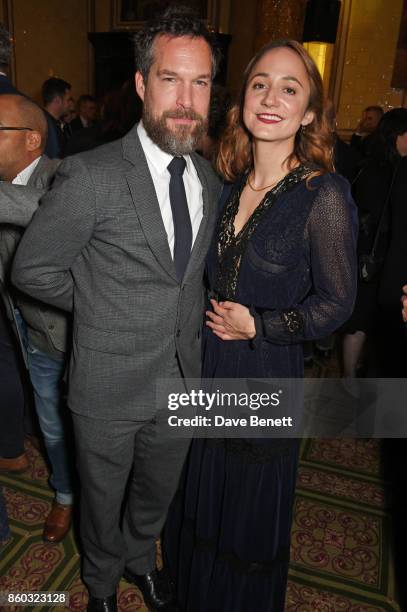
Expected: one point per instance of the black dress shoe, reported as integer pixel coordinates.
(102, 604)
(156, 589)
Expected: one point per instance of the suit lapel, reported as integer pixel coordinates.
(202, 240)
(145, 202)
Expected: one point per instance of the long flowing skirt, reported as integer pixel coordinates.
(227, 537)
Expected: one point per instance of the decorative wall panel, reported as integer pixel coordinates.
(279, 19)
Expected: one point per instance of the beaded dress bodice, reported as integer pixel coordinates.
(231, 246)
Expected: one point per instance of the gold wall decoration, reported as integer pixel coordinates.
(367, 43)
(400, 61)
(279, 19)
(322, 54)
(50, 39)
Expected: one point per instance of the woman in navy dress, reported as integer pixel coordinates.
(281, 270)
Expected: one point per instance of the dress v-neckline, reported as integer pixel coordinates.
(268, 193)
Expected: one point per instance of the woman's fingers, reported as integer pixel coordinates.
(213, 326)
(214, 317)
(217, 308)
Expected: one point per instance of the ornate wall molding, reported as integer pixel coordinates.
(338, 61)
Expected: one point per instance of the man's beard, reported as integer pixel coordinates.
(180, 141)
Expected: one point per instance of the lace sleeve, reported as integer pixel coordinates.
(332, 232)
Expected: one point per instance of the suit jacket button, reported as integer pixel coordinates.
(178, 333)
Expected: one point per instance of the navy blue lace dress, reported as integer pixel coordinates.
(227, 537)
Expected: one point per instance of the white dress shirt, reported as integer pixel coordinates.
(23, 177)
(158, 161)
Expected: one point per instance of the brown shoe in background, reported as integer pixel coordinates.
(57, 523)
(14, 464)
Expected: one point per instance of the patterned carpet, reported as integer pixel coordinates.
(341, 558)
(340, 546)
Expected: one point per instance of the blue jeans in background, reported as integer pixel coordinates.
(46, 373)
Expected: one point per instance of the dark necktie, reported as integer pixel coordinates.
(180, 216)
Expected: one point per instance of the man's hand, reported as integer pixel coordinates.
(404, 302)
(231, 321)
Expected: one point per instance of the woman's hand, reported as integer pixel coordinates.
(231, 321)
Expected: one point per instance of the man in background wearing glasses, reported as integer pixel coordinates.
(42, 330)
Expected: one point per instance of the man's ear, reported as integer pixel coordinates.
(33, 140)
(140, 85)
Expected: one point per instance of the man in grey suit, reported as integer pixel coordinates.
(42, 330)
(121, 240)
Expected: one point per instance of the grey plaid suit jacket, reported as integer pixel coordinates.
(98, 246)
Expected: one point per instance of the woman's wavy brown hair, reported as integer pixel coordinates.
(313, 144)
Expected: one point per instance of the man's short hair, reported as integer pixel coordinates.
(52, 88)
(175, 22)
(5, 47)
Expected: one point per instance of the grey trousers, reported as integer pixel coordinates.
(107, 453)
